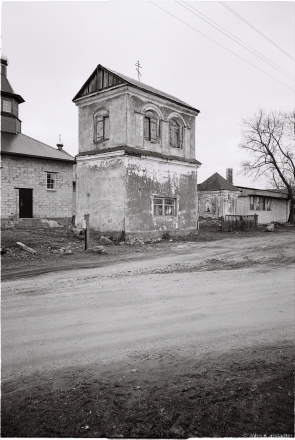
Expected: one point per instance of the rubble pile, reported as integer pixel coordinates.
(137, 241)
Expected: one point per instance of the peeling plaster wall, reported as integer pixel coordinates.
(116, 106)
(126, 108)
(138, 103)
(116, 190)
(101, 192)
(221, 203)
(145, 178)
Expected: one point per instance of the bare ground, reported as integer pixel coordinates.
(188, 338)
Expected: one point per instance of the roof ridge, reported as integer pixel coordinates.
(142, 84)
(134, 83)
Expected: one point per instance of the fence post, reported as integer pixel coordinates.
(86, 231)
(255, 220)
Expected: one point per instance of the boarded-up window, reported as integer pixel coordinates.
(147, 128)
(164, 206)
(102, 128)
(175, 134)
(7, 106)
(150, 127)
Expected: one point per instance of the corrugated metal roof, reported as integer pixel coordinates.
(139, 152)
(147, 88)
(20, 144)
(216, 183)
(139, 85)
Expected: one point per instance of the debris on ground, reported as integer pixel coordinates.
(97, 249)
(106, 241)
(270, 228)
(26, 248)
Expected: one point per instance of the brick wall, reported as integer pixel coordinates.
(278, 213)
(20, 172)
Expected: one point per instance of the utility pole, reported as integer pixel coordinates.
(138, 67)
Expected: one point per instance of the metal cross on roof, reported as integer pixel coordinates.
(138, 67)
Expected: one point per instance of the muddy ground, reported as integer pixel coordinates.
(184, 339)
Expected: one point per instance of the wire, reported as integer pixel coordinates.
(222, 46)
(258, 54)
(253, 27)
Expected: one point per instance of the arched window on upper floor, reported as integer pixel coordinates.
(101, 126)
(151, 126)
(175, 133)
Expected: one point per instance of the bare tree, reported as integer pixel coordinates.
(269, 139)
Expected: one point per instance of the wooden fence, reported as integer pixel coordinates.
(239, 222)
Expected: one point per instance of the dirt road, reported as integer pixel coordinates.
(186, 340)
(174, 303)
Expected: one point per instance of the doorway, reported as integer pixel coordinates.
(25, 203)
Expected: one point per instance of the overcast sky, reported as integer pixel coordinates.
(53, 47)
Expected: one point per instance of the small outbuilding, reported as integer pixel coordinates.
(217, 197)
(269, 205)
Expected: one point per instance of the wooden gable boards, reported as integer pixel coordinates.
(100, 79)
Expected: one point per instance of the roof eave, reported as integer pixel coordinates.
(13, 95)
(8, 153)
(132, 85)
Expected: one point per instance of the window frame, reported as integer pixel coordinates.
(105, 120)
(260, 203)
(50, 181)
(151, 119)
(174, 123)
(208, 207)
(6, 101)
(161, 205)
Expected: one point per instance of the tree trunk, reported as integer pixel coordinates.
(291, 213)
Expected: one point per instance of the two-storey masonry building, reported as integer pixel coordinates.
(136, 167)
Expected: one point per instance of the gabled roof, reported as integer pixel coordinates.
(131, 151)
(97, 82)
(216, 183)
(22, 145)
(8, 90)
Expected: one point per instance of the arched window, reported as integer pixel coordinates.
(101, 126)
(151, 125)
(175, 130)
(208, 206)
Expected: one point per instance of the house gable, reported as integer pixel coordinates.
(100, 79)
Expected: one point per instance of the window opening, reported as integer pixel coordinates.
(102, 128)
(7, 106)
(260, 203)
(150, 127)
(165, 206)
(175, 131)
(51, 181)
